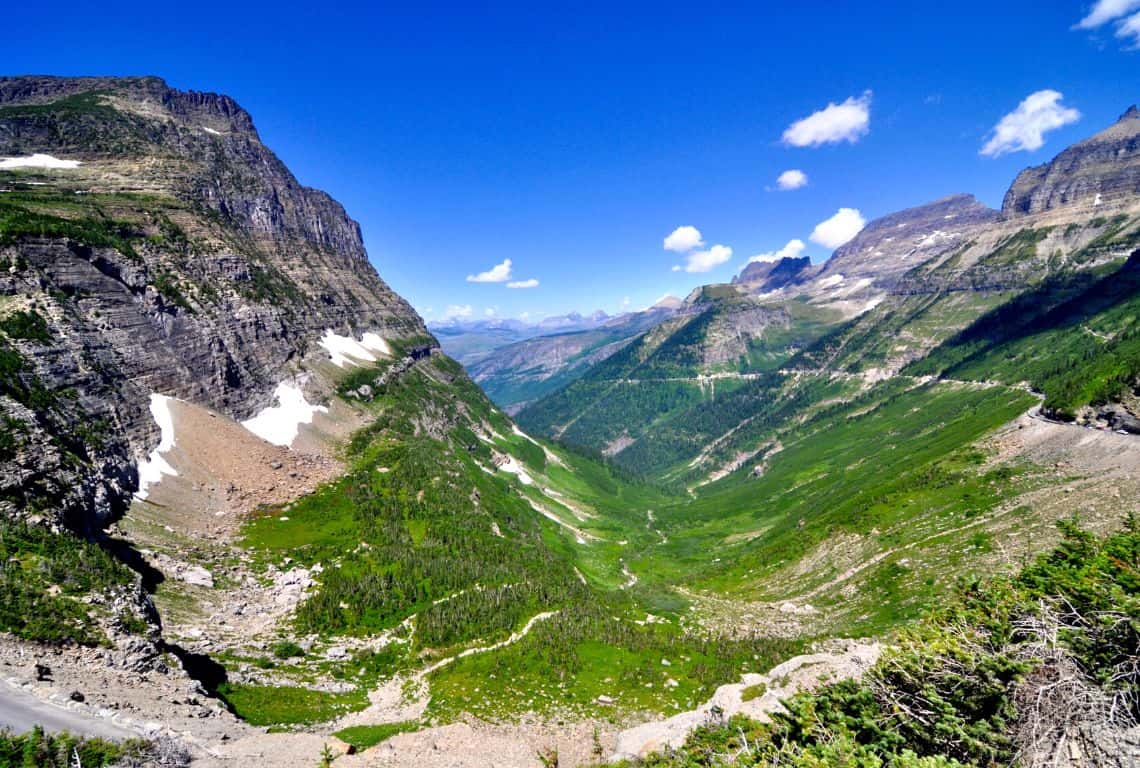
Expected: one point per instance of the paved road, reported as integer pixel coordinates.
(20, 711)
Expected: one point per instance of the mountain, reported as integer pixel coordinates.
(179, 256)
(253, 514)
(470, 340)
(244, 488)
(763, 276)
(515, 373)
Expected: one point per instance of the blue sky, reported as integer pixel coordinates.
(572, 139)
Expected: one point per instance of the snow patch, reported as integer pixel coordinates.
(550, 455)
(36, 161)
(580, 536)
(345, 350)
(827, 282)
(279, 424)
(212, 131)
(1097, 201)
(154, 467)
(512, 466)
(374, 342)
(934, 237)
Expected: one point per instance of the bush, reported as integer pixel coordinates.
(287, 649)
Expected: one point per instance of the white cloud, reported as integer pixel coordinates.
(792, 179)
(455, 311)
(834, 232)
(676, 268)
(849, 121)
(1130, 27)
(705, 261)
(529, 283)
(625, 302)
(524, 315)
(790, 251)
(683, 239)
(499, 273)
(1105, 11)
(1024, 128)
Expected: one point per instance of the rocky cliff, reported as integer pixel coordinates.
(153, 244)
(1097, 173)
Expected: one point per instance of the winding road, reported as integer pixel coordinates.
(21, 711)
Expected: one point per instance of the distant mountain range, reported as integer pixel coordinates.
(469, 339)
(515, 361)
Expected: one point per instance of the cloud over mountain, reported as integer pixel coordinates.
(1024, 128)
(791, 250)
(834, 232)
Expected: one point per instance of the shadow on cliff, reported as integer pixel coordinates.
(133, 559)
(1059, 302)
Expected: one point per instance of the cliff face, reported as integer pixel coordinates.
(1099, 172)
(161, 248)
(761, 276)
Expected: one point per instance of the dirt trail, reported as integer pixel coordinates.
(848, 660)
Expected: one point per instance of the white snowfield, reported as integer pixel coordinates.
(36, 161)
(515, 468)
(152, 469)
(345, 350)
(279, 424)
(374, 342)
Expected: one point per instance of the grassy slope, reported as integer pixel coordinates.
(889, 469)
(1076, 338)
(649, 392)
(960, 687)
(413, 551)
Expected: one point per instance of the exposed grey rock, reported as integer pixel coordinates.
(226, 273)
(198, 576)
